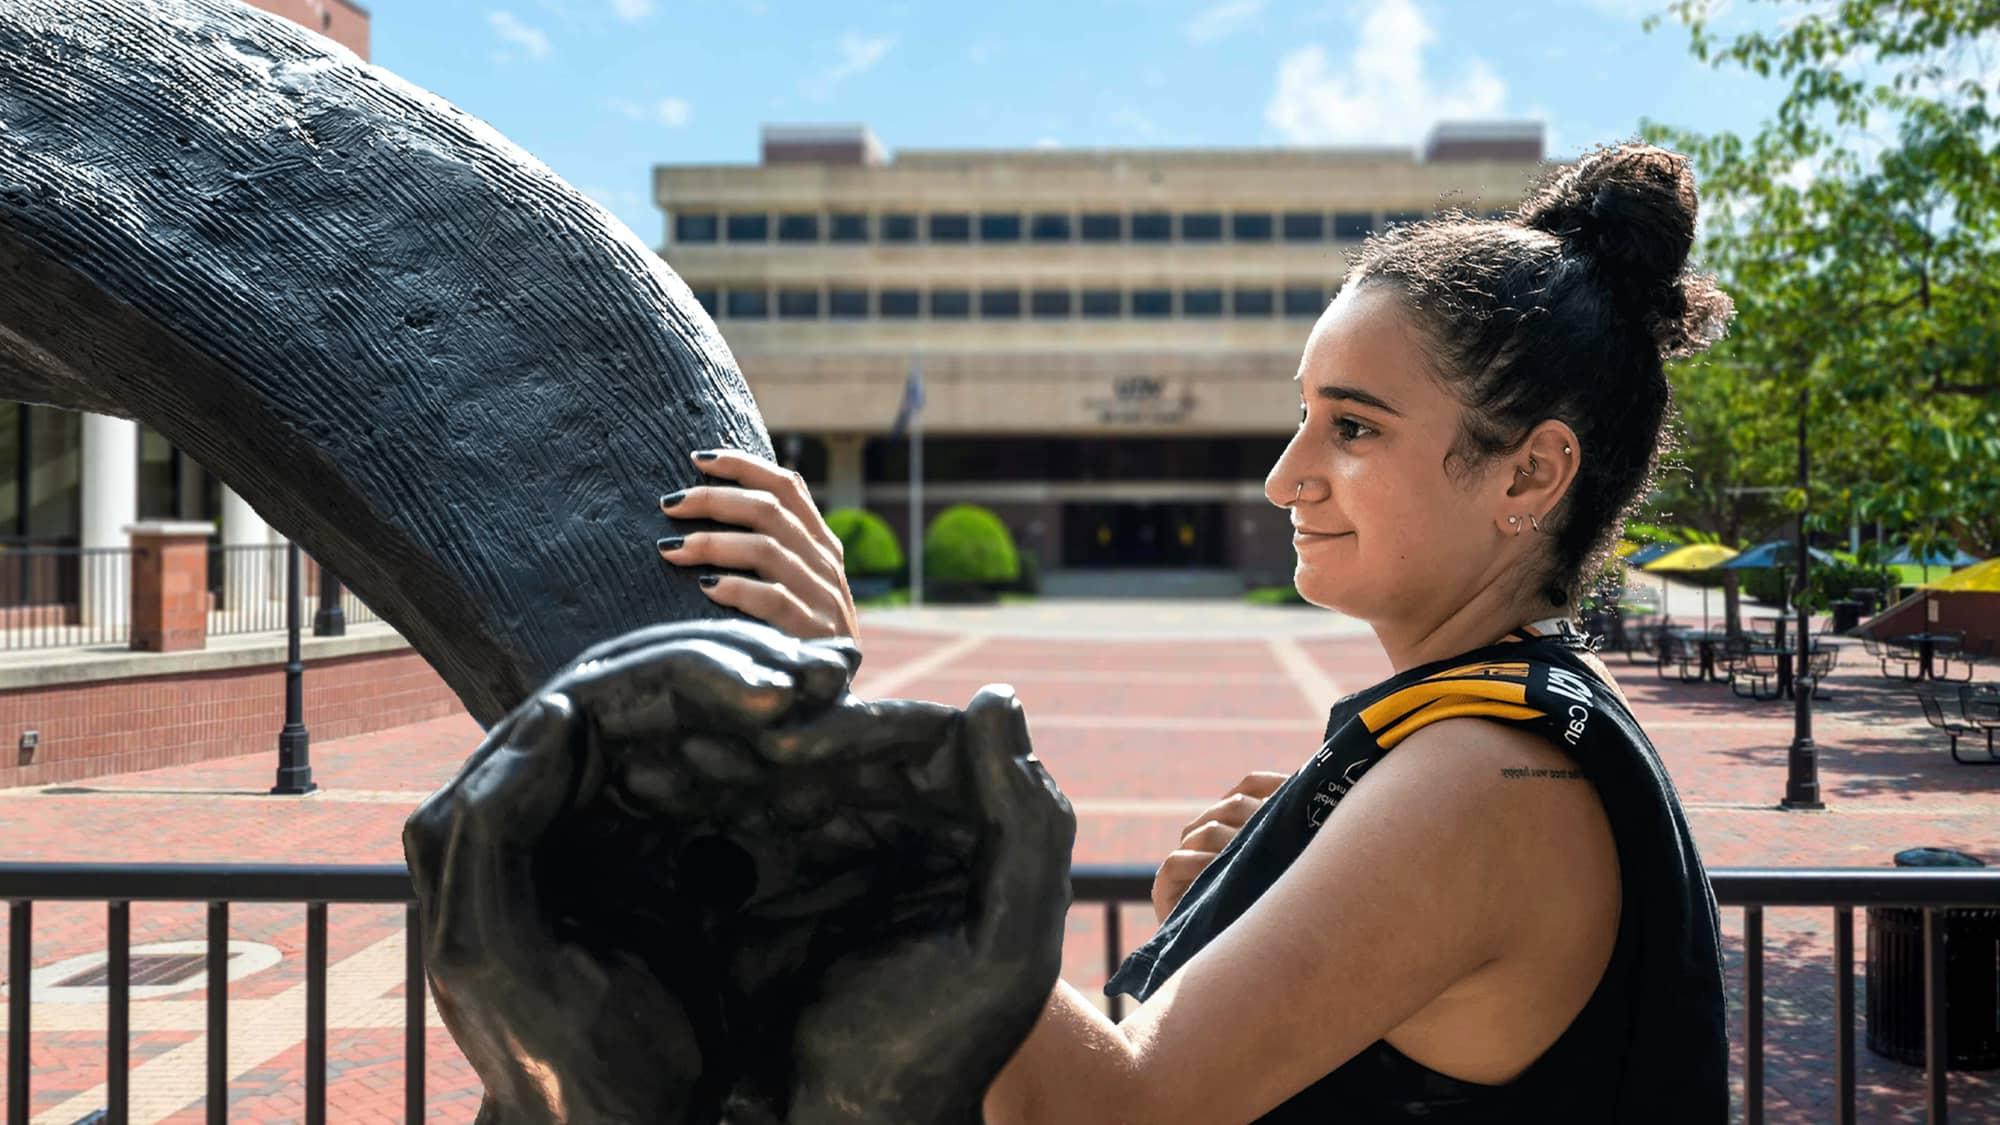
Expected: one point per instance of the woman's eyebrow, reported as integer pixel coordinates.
(1338, 392)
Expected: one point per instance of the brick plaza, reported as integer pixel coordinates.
(1141, 731)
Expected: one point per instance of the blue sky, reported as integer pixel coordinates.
(602, 90)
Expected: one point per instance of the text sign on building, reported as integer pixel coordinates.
(1141, 400)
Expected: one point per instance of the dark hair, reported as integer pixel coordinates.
(1567, 310)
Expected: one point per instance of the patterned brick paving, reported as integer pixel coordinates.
(1140, 735)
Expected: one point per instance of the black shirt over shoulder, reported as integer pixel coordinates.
(1651, 1043)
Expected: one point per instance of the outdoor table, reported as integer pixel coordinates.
(1707, 642)
(1926, 644)
(1785, 655)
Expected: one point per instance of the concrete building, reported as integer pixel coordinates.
(1106, 337)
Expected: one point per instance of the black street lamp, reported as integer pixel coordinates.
(1802, 762)
(331, 620)
(295, 774)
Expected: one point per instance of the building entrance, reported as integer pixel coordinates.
(1165, 534)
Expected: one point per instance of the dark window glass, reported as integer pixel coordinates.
(1049, 226)
(847, 227)
(1103, 227)
(1050, 304)
(748, 304)
(951, 304)
(899, 227)
(1152, 302)
(1304, 226)
(897, 304)
(1203, 226)
(1353, 224)
(798, 304)
(1394, 217)
(1000, 304)
(1000, 228)
(1304, 300)
(847, 304)
(1152, 226)
(798, 228)
(749, 228)
(951, 227)
(1201, 302)
(1103, 303)
(704, 296)
(695, 227)
(1254, 227)
(1253, 302)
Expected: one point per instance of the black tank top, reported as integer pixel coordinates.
(1649, 1045)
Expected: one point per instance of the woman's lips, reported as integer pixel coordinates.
(1299, 535)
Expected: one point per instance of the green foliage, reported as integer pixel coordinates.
(967, 543)
(869, 547)
(1826, 583)
(1274, 595)
(1859, 233)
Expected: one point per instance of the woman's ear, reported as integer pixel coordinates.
(1541, 470)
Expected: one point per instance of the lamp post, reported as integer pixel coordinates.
(294, 765)
(331, 620)
(1802, 762)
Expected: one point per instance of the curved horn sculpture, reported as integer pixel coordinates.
(448, 375)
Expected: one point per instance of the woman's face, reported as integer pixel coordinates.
(1382, 533)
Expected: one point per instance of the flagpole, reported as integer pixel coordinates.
(917, 500)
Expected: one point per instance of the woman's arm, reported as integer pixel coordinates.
(1425, 875)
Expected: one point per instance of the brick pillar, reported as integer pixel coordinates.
(170, 585)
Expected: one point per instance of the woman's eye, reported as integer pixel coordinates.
(1347, 429)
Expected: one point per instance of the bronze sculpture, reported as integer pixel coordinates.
(688, 876)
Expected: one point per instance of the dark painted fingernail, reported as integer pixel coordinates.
(673, 498)
(672, 542)
(709, 580)
(706, 455)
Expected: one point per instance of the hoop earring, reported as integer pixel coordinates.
(1532, 468)
(1535, 522)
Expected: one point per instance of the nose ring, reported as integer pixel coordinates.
(1299, 491)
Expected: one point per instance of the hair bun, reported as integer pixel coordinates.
(1630, 209)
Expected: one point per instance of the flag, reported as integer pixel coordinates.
(913, 398)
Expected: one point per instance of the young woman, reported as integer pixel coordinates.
(1504, 919)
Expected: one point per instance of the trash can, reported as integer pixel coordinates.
(1846, 614)
(1971, 985)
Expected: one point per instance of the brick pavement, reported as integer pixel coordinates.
(1140, 735)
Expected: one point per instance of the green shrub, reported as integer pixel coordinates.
(969, 544)
(1825, 583)
(1274, 595)
(871, 548)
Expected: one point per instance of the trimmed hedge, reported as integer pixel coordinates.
(969, 544)
(870, 547)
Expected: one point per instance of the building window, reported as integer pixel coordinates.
(1305, 226)
(798, 304)
(747, 304)
(1000, 228)
(951, 227)
(798, 228)
(1152, 226)
(951, 304)
(1099, 304)
(847, 304)
(1103, 226)
(1257, 301)
(898, 304)
(699, 226)
(1000, 304)
(1349, 225)
(1202, 226)
(847, 226)
(1049, 226)
(1050, 304)
(749, 228)
(1152, 303)
(1304, 300)
(1395, 217)
(704, 295)
(1251, 227)
(900, 226)
(1201, 302)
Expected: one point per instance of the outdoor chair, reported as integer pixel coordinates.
(1958, 662)
(1677, 652)
(1871, 646)
(1755, 676)
(1954, 729)
(1731, 653)
(1910, 661)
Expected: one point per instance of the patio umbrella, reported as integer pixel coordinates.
(1778, 555)
(1691, 559)
(1626, 547)
(1936, 556)
(1648, 553)
(1983, 577)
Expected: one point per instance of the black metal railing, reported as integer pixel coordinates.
(1932, 891)
(247, 584)
(59, 596)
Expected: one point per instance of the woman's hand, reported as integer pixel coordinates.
(803, 588)
(1205, 836)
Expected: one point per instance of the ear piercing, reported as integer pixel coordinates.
(1537, 524)
(1515, 522)
(1532, 466)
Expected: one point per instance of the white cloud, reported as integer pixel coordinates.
(858, 55)
(512, 31)
(1219, 21)
(671, 112)
(632, 11)
(1048, 142)
(1380, 94)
